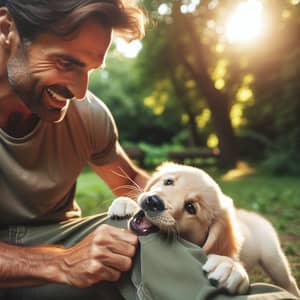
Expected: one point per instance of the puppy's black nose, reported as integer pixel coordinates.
(153, 204)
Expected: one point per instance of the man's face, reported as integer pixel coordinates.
(51, 71)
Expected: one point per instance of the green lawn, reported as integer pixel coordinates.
(277, 198)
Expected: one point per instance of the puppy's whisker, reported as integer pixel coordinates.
(132, 190)
(126, 186)
(132, 194)
(123, 174)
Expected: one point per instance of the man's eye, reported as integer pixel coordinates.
(64, 64)
(168, 182)
(190, 208)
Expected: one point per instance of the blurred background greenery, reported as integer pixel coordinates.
(213, 74)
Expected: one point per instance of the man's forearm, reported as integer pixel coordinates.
(23, 266)
(101, 255)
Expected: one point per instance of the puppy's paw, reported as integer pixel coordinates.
(122, 207)
(223, 271)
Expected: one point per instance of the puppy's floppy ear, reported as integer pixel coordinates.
(224, 238)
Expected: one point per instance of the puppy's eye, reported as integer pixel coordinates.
(168, 182)
(190, 208)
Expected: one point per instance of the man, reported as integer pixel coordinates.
(47, 51)
(50, 128)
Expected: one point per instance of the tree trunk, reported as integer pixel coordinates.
(181, 95)
(217, 101)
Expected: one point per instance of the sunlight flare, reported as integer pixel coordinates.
(246, 22)
(130, 50)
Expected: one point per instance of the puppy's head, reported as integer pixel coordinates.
(188, 200)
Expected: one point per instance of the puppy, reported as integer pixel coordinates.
(189, 201)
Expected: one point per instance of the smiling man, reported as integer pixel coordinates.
(50, 128)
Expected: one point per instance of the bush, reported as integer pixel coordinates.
(283, 158)
(155, 155)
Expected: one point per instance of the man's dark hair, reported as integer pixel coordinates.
(62, 17)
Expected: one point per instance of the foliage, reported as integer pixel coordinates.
(276, 116)
(189, 86)
(284, 157)
(118, 88)
(189, 44)
(156, 155)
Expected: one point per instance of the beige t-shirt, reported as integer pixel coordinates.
(38, 172)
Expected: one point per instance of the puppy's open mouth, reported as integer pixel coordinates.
(141, 225)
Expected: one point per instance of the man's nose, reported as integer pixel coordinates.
(79, 85)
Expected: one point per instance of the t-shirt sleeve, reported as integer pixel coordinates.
(103, 132)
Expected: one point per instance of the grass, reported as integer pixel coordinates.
(277, 198)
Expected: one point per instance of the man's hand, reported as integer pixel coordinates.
(223, 271)
(102, 255)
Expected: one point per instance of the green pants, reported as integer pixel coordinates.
(164, 268)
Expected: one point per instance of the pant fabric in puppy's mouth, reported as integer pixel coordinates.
(141, 225)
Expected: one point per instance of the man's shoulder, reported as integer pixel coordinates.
(91, 112)
(91, 106)
(90, 101)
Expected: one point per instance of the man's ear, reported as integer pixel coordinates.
(8, 32)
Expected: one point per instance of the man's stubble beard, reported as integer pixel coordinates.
(22, 82)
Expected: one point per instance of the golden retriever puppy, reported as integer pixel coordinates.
(188, 200)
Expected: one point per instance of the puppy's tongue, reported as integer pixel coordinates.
(141, 225)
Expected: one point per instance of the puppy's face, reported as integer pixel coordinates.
(180, 198)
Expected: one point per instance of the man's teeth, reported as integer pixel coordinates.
(56, 96)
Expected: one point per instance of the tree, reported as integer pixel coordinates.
(182, 47)
(183, 57)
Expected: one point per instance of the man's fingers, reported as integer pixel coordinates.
(126, 236)
(122, 248)
(116, 261)
(100, 271)
(117, 234)
(102, 255)
(110, 274)
(115, 247)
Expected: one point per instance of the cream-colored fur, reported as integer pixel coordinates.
(196, 208)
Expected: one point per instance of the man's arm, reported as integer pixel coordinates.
(102, 255)
(122, 176)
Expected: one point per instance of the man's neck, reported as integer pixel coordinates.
(18, 125)
(15, 118)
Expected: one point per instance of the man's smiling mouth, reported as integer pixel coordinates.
(57, 96)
